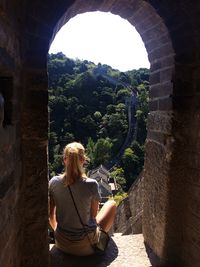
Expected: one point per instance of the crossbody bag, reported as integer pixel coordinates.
(102, 237)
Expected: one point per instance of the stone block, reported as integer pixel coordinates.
(155, 66)
(153, 105)
(155, 32)
(161, 90)
(158, 137)
(37, 129)
(167, 174)
(194, 177)
(156, 180)
(166, 61)
(5, 184)
(183, 87)
(129, 212)
(158, 42)
(137, 224)
(126, 10)
(155, 78)
(165, 103)
(191, 245)
(6, 59)
(166, 75)
(35, 55)
(123, 214)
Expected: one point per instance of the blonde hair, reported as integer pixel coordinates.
(75, 155)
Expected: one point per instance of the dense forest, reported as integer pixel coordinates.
(89, 103)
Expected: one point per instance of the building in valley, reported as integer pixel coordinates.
(107, 184)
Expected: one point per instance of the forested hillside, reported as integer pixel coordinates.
(89, 103)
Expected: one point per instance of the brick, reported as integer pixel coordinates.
(154, 78)
(170, 30)
(158, 42)
(194, 177)
(166, 75)
(38, 128)
(36, 57)
(165, 104)
(6, 59)
(161, 90)
(155, 33)
(161, 52)
(148, 22)
(125, 10)
(185, 57)
(156, 66)
(163, 63)
(160, 122)
(153, 105)
(189, 103)
(139, 14)
(157, 136)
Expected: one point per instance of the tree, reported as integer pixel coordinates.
(99, 152)
(97, 116)
(130, 163)
(87, 103)
(142, 112)
(118, 174)
(90, 148)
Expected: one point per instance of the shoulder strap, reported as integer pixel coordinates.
(76, 207)
(79, 215)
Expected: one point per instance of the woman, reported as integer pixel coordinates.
(70, 235)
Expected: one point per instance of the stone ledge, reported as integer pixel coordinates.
(123, 251)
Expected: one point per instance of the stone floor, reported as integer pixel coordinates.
(122, 251)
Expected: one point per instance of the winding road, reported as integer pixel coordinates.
(132, 122)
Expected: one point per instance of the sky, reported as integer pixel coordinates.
(102, 38)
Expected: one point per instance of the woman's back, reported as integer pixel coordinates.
(73, 234)
(84, 191)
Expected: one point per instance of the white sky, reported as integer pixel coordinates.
(102, 37)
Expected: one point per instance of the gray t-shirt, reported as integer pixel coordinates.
(84, 191)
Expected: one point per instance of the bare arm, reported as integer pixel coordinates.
(52, 213)
(94, 208)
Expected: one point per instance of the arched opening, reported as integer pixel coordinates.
(101, 37)
(161, 56)
(170, 31)
(63, 88)
(109, 113)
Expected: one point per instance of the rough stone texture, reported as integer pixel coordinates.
(34, 155)
(125, 251)
(123, 218)
(129, 212)
(136, 200)
(170, 31)
(10, 159)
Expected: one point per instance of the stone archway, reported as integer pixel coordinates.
(170, 32)
(161, 56)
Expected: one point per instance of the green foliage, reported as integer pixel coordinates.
(118, 174)
(88, 103)
(129, 163)
(99, 152)
(123, 93)
(142, 111)
(119, 197)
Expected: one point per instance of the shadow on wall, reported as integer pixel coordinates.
(153, 258)
(61, 259)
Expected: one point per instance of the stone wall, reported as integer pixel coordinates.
(10, 156)
(35, 175)
(129, 212)
(172, 162)
(170, 31)
(123, 218)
